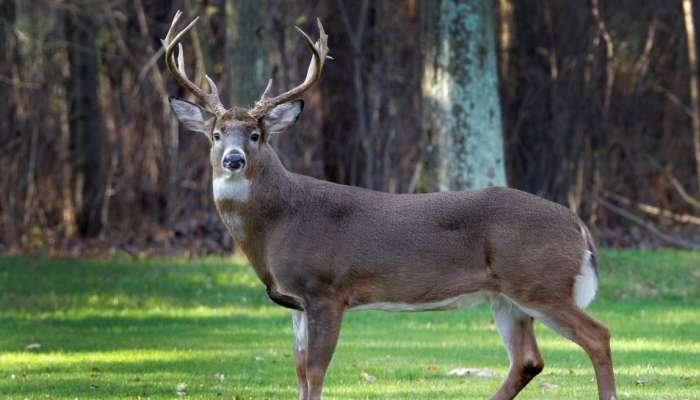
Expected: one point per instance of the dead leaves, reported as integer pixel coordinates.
(368, 378)
(433, 371)
(475, 372)
(33, 347)
(181, 389)
(219, 377)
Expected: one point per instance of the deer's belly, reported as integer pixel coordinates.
(461, 301)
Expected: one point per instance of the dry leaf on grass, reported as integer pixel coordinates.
(476, 372)
(33, 346)
(367, 377)
(547, 386)
(181, 389)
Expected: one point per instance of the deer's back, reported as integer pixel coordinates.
(349, 238)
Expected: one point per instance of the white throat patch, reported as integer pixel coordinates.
(235, 188)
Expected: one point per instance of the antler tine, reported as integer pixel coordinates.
(319, 53)
(181, 60)
(211, 100)
(212, 87)
(266, 93)
(176, 18)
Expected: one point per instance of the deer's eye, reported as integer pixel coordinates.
(254, 137)
(217, 137)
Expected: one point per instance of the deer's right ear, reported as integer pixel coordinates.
(192, 116)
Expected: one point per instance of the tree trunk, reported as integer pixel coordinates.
(246, 51)
(85, 121)
(8, 128)
(7, 45)
(694, 83)
(461, 106)
(339, 148)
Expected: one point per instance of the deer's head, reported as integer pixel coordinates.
(237, 134)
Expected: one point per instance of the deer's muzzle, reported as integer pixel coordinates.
(234, 160)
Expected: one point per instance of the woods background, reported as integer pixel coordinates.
(599, 104)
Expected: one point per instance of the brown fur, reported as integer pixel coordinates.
(317, 236)
(324, 247)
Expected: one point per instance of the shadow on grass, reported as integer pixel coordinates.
(40, 285)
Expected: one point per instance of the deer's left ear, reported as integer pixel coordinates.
(280, 118)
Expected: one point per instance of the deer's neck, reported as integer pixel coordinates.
(249, 203)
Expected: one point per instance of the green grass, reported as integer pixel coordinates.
(138, 329)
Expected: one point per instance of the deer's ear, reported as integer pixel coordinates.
(280, 118)
(192, 116)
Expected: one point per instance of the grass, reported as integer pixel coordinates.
(144, 329)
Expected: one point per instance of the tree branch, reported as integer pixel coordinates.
(673, 241)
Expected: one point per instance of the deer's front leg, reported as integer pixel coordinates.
(300, 350)
(323, 320)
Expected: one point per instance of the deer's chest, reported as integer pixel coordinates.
(229, 194)
(234, 223)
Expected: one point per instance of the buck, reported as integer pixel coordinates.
(322, 249)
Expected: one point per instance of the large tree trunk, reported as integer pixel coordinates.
(85, 121)
(8, 128)
(246, 54)
(694, 82)
(461, 107)
(7, 52)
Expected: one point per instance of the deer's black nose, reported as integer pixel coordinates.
(234, 160)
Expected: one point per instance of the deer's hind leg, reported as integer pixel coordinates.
(518, 337)
(573, 323)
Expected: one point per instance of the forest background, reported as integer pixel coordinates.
(597, 106)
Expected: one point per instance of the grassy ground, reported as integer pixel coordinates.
(204, 329)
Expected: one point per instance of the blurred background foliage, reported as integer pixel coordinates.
(598, 101)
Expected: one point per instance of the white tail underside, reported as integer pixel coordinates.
(586, 284)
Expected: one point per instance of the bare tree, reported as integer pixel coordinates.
(85, 120)
(246, 51)
(7, 46)
(7, 111)
(694, 83)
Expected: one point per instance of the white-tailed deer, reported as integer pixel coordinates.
(322, 249)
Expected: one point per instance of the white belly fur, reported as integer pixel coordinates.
(462, 301)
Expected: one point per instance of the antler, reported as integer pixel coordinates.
(319, 52)
(211, 100)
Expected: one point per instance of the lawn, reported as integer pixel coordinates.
(163, 329)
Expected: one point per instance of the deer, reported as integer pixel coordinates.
(322, 249)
